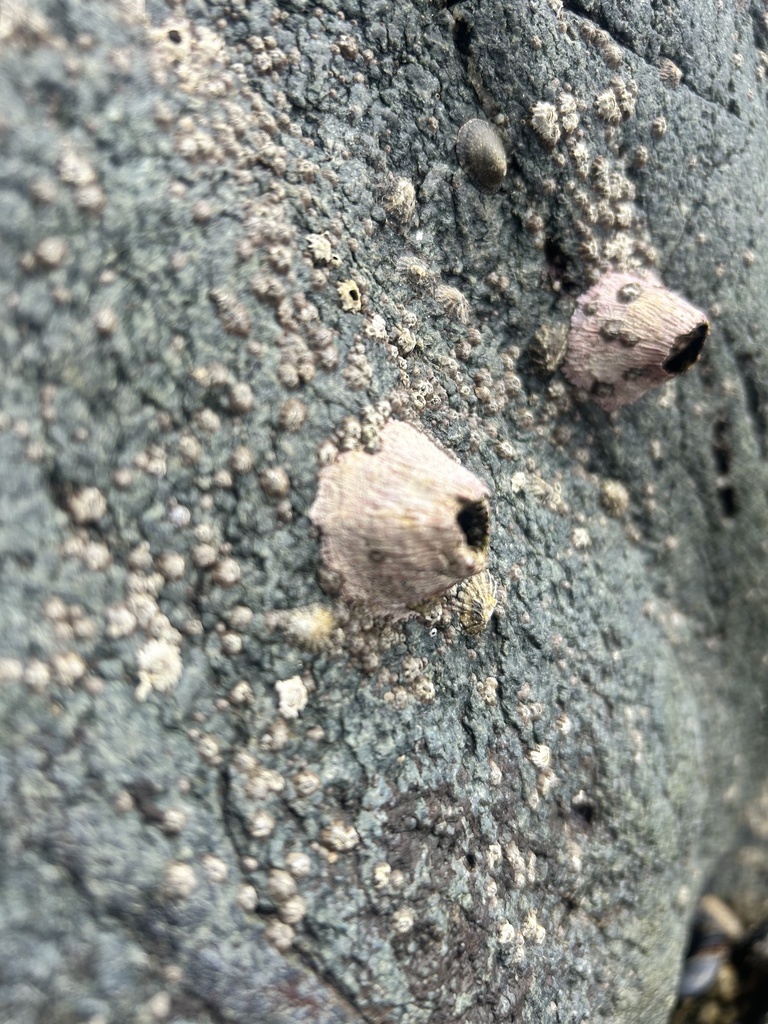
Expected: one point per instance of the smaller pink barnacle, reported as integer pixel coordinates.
(403, 524)
(629, 334)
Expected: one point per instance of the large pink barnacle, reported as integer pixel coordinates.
(403, 524)
(629, 334)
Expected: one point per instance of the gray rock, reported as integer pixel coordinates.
(450, 828)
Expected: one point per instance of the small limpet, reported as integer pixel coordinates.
(481, 155)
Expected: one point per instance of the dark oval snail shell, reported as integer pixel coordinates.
(481, 155)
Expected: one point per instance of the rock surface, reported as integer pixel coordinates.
(235, 241)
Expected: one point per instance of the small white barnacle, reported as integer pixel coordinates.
(547, 350)
(309, 628)
(291, 696)
(659, 127)
(626, 95)
(454, 304)
(350, 296)
(402, 920)
(669, 73)
(406, 341)
(339, 836)
(160, 668)
(607, 107)
(415, 269)
(581, 158)
(540, 755)
(477, 602)
(320, 248)
(544, 123)
(569, 116)
(376, 327)
(532, 930)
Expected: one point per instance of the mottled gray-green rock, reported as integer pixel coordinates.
(235, 241)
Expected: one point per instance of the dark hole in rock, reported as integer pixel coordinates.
(174, 36)
(686, 350)
(584, 811)
(475, 522)
(728, 501)
(462, 36)
(721, 450)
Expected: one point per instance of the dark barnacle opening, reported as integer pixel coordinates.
(686, 350)
(474, 519)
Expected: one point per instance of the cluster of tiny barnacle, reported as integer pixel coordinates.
(601, 195)
(153, 620)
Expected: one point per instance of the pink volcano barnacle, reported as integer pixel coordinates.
(629, 334)
(403, 524)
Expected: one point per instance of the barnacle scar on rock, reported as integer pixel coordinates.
(481, 155)
(401, 525)
(629, 334)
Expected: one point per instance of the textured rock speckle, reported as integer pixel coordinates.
(467, 821)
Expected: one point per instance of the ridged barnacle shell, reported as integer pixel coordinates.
(477, 602)
(629, 334)
(481, 155)
(403, 524)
